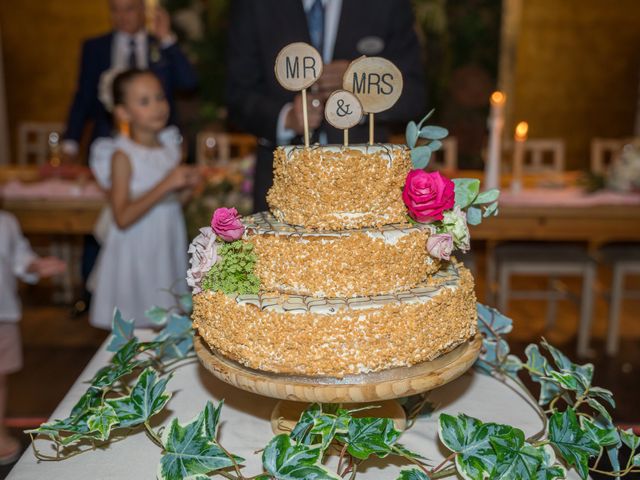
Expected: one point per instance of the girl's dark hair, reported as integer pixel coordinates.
(122, 81)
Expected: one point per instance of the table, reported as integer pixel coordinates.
(245, 425)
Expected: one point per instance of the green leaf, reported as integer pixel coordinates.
(403, 451)
(604, 417)
(488, 196)
(604, 394)
(147, 398)
(568, 380)
(126, 353)
(491, 209)
(630, 439)
(327, 426)
(157, 315)
(470, 438)
(369, 436)
(514, 459)
(420, 157)
(412, 133)
(425, 118)
(604, 437)
(122, 331)
(188, 451)
(103, 420)
(574, 445)
(636, 460)
(107, 376)
(435, 145)
(433, 132)
(412, 474)
(211, 417)
(466, 190)
(186, 303)
(301, 432)
(176, 339)
(491, 322)
(474, 216)
(285, 461)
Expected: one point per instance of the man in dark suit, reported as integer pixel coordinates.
(129, 45)
(341, 30)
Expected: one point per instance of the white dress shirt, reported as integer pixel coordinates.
(15, 257)
(332, 11)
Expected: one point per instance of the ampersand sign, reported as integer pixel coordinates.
(343, 110)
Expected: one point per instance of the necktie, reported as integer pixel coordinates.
(133, 58)
(315, 19)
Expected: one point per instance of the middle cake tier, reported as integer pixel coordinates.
(344, 263)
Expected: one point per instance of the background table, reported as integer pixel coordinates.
(245, 426)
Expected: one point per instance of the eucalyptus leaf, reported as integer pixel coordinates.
(488, 196)
(147, 398)
(284, 460)
(466, 190)
(425, 118)
(420, 157)
(190, 451)
(491, 209)
(433, 132)
(474, 215)
(121, 331)
(412, 134)
(412, 474)
(573, 444)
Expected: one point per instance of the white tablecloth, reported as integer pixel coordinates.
(245, 426)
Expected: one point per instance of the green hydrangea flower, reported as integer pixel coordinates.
(234, 272)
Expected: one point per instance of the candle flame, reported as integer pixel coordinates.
(521, 131)
(498, 98)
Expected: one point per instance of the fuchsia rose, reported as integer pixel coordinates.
(440, 245)
(427, 195)
(227, 225)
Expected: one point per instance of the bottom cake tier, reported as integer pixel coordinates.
(340, 336)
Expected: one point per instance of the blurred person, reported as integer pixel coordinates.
(144, 245)
(17, 261)
(128, 46)
(341, 31)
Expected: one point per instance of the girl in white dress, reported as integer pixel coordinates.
(144, 246)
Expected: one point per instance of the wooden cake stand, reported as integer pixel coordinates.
(378, 387)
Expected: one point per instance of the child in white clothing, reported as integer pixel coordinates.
(17, 260)
(144, 250)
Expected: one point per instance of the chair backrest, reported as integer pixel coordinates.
(33, 141)
(605, 151)
(541, 154)
(218, 148)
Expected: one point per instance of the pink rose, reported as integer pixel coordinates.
(440, 245)
(226, 224)
(427, 195)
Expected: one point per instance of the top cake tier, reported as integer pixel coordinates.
(335, 187)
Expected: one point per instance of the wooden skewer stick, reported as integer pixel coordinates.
(305, 117)
(371, 129)
(346, 137)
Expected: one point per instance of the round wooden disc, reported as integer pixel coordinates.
(370, 387)
(298, 66)
(343, 110)
(375, 81)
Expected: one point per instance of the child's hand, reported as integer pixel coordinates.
(47, 267)
(184, 176)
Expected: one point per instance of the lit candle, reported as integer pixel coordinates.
(496, 123)
(520, 138)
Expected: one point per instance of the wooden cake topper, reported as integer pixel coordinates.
(343, 110)
(298, 66)
(376, 82)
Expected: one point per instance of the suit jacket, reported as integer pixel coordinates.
(170, 65)
(259, 29)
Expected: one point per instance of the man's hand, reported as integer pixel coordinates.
(315, 113)
(47, 267)
(162, 25)
(331, 78)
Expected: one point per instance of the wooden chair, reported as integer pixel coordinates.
(541, 154)
(218, 148)
(605, 151)
(33, 141)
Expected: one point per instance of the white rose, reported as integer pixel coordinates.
(455, 223)
(204, 254)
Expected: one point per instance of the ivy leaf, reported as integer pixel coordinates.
(176, 339)
(470, 438)
(147, 398)
(488, 196)
(412, 133)
(466, 190)
(604, 417)
(103, 420)
(420, 156)
(604, 394)
(327, 426)
(568, 381)
(369, 436)
(412, 474)
(604, 437)
(189, 451)
(549, 470)
(126, 353)
(285, 461)
(630, 439)
(301, 432)
(474, 215)
(574, 445)
(514, 459)
(403, 451)
(433, 132)
(636, 460)
(211, 417)
(186, 303)
(537, 367)
(108, 375)
(122, 331)
(491, 322)
(492, 355)
(157, 315)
